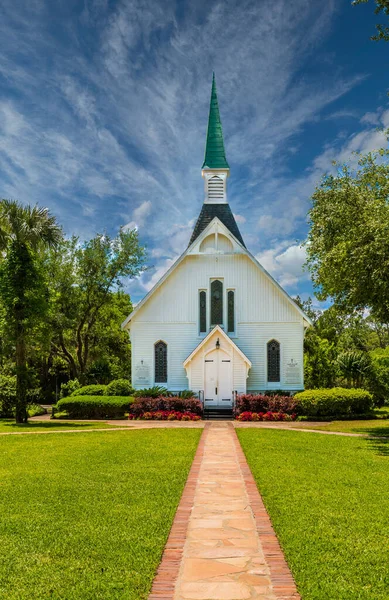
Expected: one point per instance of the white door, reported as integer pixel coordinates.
(218, 380)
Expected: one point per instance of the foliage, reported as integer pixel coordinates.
(24, 232)
(324, 495)
(379, 375)
(91, 390)
(168, 415)
(104, 502)
(84, 283)
(354, 366)
(153, 392)
(94, 407)
(320, 369)
(334, 401)
(382, 30)
(348, 242)
(119, 387)
(265, 416)
(142, 405)
(186, 394)
(69, 387)
(263, 404)
(36, 410)
(7, 395)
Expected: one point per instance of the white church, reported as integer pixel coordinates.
(217, 323)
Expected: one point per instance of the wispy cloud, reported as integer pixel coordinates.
(103, 112)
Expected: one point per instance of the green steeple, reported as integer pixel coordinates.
(215, 156)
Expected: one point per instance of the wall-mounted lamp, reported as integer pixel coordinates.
(217, 344)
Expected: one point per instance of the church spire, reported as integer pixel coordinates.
(215, 156)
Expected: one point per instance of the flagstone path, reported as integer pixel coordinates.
(222, 545)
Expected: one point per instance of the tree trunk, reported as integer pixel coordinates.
(21, 380)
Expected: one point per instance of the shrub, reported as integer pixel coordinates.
(152, 392)
(379, 375)
(267, 416)
(7, 395)
(119, 387)
(259, 403)
(143, 405)
(333, 401)
(36, 410)
(68, 388)
(167, 415)
(186, 394)
(90, 390)
(94, 407)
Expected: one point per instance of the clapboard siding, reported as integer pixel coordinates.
(257, 298)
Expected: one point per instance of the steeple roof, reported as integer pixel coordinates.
(215, 156)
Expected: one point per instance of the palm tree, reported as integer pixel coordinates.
(24, 230)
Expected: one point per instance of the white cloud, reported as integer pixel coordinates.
(285, 263)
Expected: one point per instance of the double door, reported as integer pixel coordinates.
(218, 380)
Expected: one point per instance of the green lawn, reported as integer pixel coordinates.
(85, 516)
(328, 500)
(373, 427)
(9, 425)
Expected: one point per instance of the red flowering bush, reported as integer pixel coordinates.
(258, 403)
(166, 415)
(248, 415)
(163, 404)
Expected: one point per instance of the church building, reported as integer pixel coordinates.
(217, 322)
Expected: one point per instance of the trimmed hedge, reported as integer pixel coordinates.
(258, 403)
(119, 387)
(142, 405)
(91, 390)
(93, 407)
(333, 401)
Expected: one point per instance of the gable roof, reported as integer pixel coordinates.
(215, 155)
(222, 333)
(186, 252)
(224, 213)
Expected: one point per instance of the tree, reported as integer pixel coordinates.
(84, 280)
(24, 232)
(382, 6)
(348, 242)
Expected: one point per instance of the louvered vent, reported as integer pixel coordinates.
(215, 188)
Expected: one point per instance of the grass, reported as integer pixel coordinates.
(86, 516)
(327, 498)
(374, 427)
(9, 426)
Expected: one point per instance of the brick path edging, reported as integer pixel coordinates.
(168, 570)
(284, 586)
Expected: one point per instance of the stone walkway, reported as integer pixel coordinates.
(226, 549)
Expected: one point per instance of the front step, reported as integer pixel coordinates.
(213, 413)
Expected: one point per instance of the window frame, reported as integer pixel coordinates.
(232, 332)
(212, 281)
(166, 366)
(273, 381)
(202, 333)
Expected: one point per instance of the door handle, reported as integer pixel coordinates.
(216, 391)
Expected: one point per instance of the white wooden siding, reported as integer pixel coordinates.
(261, 314)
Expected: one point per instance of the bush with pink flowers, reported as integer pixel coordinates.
(163, 404)
(259, 403)
(165, 415)
(248, 415)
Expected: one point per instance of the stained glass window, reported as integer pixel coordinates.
(160, 353)
(216, 303)
(203, 311)
(273, 361)
(231, 311)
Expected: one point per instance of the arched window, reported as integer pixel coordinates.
(231, 311)
(273, 361)
(160, 362)
(216, 303)
(203, 311)
(215, 188)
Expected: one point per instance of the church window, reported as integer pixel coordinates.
(231, 311)
(215, 188)
(160, 356)
(216, 303)
(203, 311)
(273, 361)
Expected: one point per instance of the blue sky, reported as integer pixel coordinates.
(104, 107)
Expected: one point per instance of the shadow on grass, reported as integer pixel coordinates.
(45, 425)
